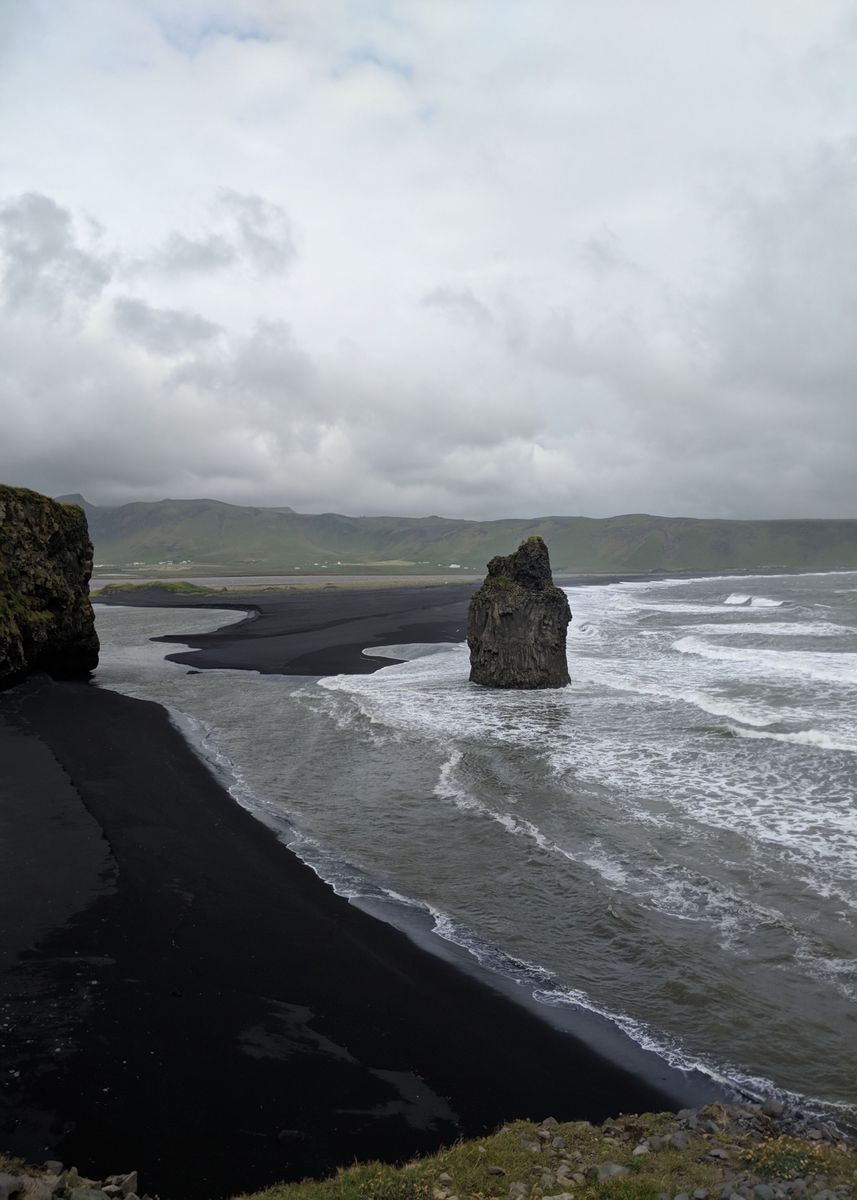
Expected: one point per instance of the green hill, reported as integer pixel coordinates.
(191, 536)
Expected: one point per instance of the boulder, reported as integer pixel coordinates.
(46, 619)
(10, 1185)
(517, 623)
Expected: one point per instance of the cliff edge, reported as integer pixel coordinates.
(517, 622)
(46, 619)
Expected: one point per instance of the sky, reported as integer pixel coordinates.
(479, 258)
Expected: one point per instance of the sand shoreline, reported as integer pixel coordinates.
(195, 1002)
(319, 632)
(314, 633)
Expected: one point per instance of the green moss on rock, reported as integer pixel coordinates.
(46, 619)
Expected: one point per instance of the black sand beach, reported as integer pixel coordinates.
(322, 631)
(182, 996)
(316, 632)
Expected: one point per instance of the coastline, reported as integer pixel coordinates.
(312, 632)
(323, 631)
(212, 1013)
(305, 630)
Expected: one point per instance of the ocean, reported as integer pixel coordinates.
(670, 842)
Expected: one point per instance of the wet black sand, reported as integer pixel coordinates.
(315, 632)
(182, 996)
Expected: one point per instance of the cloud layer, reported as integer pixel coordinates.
(473, 259)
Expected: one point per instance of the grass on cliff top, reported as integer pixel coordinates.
(487, 1168)
(506, 1163)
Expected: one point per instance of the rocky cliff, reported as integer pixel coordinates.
(517, 622)
(46, 619)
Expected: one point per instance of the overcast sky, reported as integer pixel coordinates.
(469, 257)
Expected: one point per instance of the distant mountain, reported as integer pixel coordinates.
(75, 498)
(194, 536)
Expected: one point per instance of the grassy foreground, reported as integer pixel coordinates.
(734, 1152)
(713, 1153)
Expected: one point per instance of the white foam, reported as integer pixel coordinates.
(681, 609)
(405, 901)
(488, 954)
(692, 581)
(697, 786)
(839, 973)
(594, 858)
(755, 1087)
(756, 797)
(673, 890)
(822, 666)
(666, 1048)
(464, 800)
(430, 696)
(818, 739)
(548, 992)
(809, 629)
(716, 705)
(410, 651)
(742, 599)
(585, 629)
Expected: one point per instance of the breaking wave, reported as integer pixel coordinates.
(739, 598)
(822, 666)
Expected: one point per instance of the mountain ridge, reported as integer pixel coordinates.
(187, 536)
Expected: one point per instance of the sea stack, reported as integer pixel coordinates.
(517, 623)
(46, 619)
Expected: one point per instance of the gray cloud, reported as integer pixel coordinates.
(584, 265)
(43, 261)
(179, 255)
(460, 301)
(787, 320)
(264, 231)
(271, 369)
(166, 331)
(602, 253)
(251, 231)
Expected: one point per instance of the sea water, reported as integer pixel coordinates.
(671, 841)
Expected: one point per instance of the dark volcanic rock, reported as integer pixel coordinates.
(517, 623)
(46, 619)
